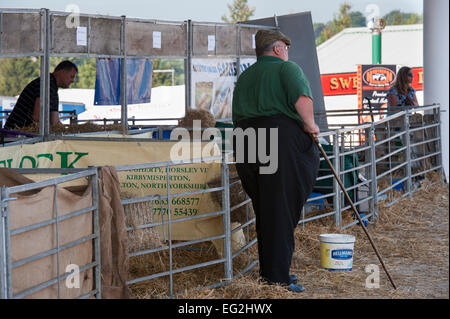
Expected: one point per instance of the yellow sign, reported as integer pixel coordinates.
(139, 182)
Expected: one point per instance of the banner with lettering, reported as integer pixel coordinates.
(347, 83)
(138, 182)
(339, 83)
(212, 84)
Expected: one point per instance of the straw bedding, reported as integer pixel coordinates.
(411, 236)
(74, 129)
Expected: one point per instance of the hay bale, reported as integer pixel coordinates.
(429, 118)
(415, 119)
(237, 196)
(206, 118)
(137, 214)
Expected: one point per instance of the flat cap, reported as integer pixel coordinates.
(264, 38)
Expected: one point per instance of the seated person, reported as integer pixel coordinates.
(402, 93)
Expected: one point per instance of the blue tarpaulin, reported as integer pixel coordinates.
(107, 81)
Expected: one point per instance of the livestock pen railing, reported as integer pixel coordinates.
(383, 161)
(153, 217)
(40, 245)
(389, 161)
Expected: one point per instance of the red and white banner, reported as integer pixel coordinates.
(347, 83)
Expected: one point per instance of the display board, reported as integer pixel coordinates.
(374, 80)
(213, 83)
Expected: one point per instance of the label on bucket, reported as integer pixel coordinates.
(342, 254)
(336, 255)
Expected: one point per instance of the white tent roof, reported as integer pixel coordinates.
(402, 45)
(85, 96)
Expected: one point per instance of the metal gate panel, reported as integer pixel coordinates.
(64, 38)
(247, 40)
(21, 33)
(226, 40)
(139, 39)
(200, 35)
(105, 36)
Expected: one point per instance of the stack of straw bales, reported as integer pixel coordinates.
(237, 196)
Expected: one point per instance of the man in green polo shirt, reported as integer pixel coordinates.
(272, 94)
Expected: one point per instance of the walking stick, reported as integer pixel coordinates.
(355, 210)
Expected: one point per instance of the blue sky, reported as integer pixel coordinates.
(212, 10)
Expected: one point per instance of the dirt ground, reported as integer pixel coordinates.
(412, 237)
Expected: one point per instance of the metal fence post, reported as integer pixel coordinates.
(187, 66)
(44, 123)
(238, 51)
(371, 174)
(58, 244)
(123, 78)
(408, 155)
(97, 253)
(3, 208)
(169, 230)
(1, 31)
(336, 189)
(439, 160)
(373, 158)
(6, 270)
(226, 221)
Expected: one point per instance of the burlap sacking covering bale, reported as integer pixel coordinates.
(113, 236)
(39, 206)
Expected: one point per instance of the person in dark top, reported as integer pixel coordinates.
(27, 108)
(402, 93)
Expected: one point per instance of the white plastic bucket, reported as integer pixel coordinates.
(336, 251)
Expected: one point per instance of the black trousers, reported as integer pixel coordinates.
(278, 198)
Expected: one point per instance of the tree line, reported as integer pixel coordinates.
(16, 73)
(345, 18)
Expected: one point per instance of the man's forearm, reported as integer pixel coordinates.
(37, 110)
(305, 109)
(54, 118)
